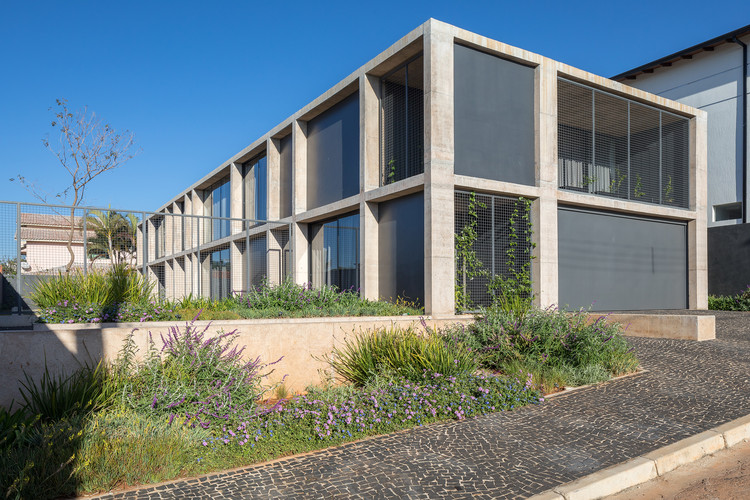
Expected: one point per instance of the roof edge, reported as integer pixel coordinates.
(690, 51)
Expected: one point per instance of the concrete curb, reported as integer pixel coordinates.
(651, 465)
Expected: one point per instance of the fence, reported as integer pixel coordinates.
(182, 254)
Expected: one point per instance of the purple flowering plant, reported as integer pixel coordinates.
(195, 378)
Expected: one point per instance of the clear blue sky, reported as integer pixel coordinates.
(198, 81)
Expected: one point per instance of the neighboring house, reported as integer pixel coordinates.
(44, 244)
(369, 184)
(712, 76)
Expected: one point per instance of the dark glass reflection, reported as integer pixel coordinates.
(335, 253)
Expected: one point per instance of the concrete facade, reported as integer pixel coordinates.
(286, 151)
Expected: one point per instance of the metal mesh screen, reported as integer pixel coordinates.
(402, 122)
(498, 218)
(612, 146)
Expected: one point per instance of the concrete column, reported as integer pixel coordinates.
(235, 199)
(369, 132)
(205, 275)
(368, 250)
(300, 253)
(274, 256)
(697, 229)
(299, 166)
(169, 279)
(439, 214)
(544, 210)
(273, 165)
(180, 286)
(169, 231)
(139, 245)
(177, 227)
(236, 266)
(151, 239)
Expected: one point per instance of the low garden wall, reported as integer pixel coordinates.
(300, 342)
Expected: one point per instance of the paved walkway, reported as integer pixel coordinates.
(690, 387)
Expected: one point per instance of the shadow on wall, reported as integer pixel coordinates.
(27, 350)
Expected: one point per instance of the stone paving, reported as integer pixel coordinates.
(689, 387)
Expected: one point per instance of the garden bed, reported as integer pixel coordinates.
(187, 402)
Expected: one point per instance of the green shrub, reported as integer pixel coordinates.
(582, 350)
(404, 352)
(54, 397)
(739, 302)
(117, 285)
(43, 466)
(14, 425)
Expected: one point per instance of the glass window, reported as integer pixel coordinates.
(218, 204)
(335, 253)
(221, 276)
(255, 189)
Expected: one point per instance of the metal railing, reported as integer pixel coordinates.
(182, 254)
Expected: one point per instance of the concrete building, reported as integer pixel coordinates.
(368, 185)
(712, 76)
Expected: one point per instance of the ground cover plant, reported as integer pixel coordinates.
(61, 303)
(190, 405)
(738, 302)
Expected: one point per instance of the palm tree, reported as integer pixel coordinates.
(114, 236)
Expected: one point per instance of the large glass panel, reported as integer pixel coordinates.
(333, 153)
(219, 203)
(335, 253)
(221, 276)
(255, 189)
(261, 189)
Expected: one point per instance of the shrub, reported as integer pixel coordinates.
(43, 466)
(739, 302)
(56, 397)
(547, 338)
(195, 379)
(404, 352)
(291, 299)
(117, 285)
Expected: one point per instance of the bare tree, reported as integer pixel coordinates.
(86, 148)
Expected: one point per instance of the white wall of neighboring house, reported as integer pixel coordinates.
(710, 81)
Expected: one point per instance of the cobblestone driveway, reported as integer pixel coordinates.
(689, 387)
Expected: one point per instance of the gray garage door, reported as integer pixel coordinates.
(618, 262)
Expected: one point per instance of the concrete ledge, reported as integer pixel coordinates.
(609, 481)
(664, 326)
(647, 467)
(735, 431)
(686, 451)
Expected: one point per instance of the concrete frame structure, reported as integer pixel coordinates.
(438, 184)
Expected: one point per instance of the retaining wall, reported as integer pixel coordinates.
(300, 342)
